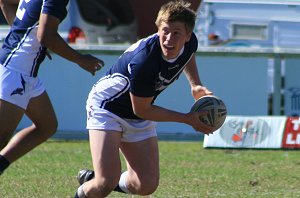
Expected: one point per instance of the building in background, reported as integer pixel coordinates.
(249, 23)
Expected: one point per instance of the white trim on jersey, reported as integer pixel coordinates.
(111, 87)
(35, 61)
(18, 46)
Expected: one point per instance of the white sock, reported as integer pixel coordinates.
(122, 182)
(80, 192)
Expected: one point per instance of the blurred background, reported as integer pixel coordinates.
(248, 55)
(107, 21)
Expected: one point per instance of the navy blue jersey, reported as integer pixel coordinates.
(21, 50)
(144, 72)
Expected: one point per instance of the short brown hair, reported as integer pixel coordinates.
(177, 10)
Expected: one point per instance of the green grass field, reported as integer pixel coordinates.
(187, 170)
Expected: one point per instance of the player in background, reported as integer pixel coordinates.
(121, 113)
(34, 25)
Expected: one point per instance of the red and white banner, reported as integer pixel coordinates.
(291, 136)
(253, 132)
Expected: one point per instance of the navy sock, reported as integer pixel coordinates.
(76, 195)
(4, 163)
(118, 189)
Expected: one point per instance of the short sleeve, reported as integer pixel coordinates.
(55, 8)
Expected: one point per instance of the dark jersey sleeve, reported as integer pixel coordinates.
(56, 8)
(192, 45)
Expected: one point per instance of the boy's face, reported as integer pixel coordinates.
(172, 37)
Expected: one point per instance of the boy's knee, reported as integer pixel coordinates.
(145, 186)
(46, 131)
(103, 186)
(150, 186)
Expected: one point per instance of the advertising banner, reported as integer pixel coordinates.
(248, 132)
(291, 136)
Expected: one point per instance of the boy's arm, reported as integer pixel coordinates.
(9, 9)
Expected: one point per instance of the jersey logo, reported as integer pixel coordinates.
(19, 90)
(173, 67)
(162, 82)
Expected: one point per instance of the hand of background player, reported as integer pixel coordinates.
(199, 91)
(90, 63)
(199, 126)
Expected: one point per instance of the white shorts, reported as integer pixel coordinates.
(132, 130)
(18, 88)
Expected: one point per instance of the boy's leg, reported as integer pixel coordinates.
(106, 163)
(42, 114)
(10, 116)
(142, 166)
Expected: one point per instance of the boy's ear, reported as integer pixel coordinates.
(189, 37)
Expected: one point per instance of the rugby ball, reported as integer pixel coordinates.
(216, 111)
